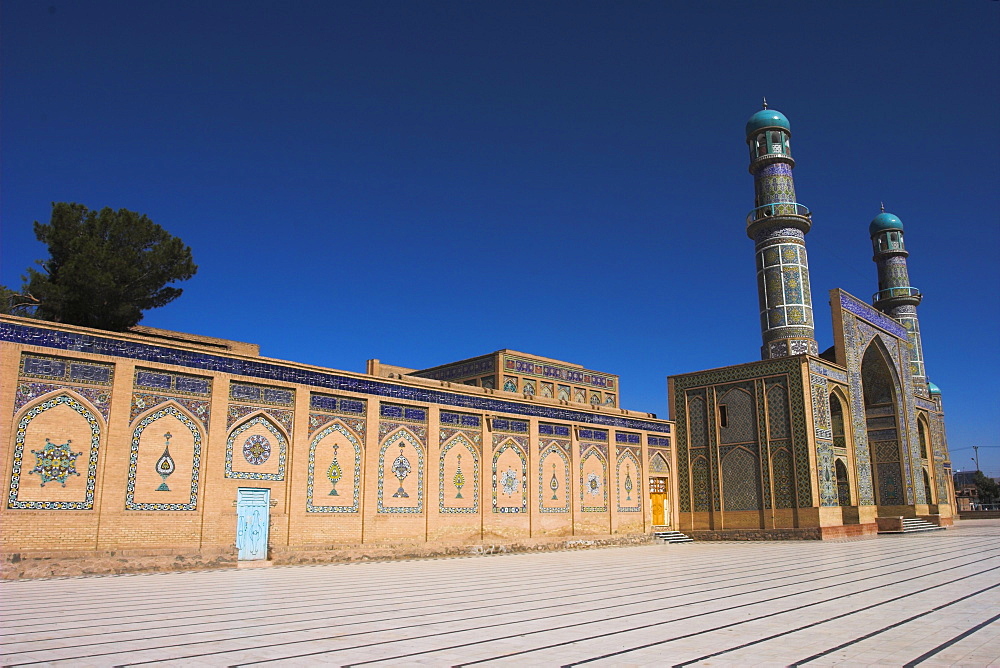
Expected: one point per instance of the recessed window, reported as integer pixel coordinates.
(724, 416)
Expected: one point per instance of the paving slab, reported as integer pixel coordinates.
(928, 598)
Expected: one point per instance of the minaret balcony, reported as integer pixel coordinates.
(901, 295)
(791, 214)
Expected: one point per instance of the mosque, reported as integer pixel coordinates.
(152, 449)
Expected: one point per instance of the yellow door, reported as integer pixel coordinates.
(658, 501)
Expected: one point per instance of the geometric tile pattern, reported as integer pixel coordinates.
(740, 480)
(689, 391)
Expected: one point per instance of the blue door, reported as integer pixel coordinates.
(252, 520)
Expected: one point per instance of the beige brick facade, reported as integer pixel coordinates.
(130, 450)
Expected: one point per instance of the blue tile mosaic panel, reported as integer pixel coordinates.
(406, 413)
(593, 435)
(512, 426)
(658, 441)
(625, 437)
(554, 430)
(331, 404)
(535, 368)
(53, 368)
(172, 383)
(259, 394)
(460, 419)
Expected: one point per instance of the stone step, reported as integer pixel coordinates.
(673, 537)
(915, 524)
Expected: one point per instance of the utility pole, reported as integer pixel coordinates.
(976, 448)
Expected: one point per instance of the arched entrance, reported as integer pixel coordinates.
(659, 490)
(880, 391)
(840, 450)
(926, 459)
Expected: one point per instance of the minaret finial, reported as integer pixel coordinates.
(882, 204)
(765, 103)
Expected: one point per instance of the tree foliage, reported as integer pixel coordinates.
(105, 267)
(989, 490)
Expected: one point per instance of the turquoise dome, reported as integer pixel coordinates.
(767, 118)
(932, 388)
(884, 221)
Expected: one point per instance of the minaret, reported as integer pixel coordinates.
(778, 226)
(896, 297)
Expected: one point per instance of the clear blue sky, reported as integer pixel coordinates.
(423, 182)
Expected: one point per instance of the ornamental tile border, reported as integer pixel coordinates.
(282, 451)
(100, 345)
(459, 438)
(340, 426)
(95, 443)
(143, 402)
(237, 412)
(561, 448)
(27, 392)
(133, 462)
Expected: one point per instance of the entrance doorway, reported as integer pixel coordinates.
(659, 501)
(252, 519)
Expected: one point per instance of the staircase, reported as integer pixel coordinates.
(672, 537)
(913, 524)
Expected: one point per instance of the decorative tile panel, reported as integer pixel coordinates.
(332, 474)
(510, 426)
(553, 482)
(165, 465)
(508, 481)
(143, 402)
(164, 382)
(68, 370)
(28, 392)
(453, 501)
(66, 461)
(261, 394)
(557, 372)
(234, 442)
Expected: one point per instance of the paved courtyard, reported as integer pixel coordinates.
(917, 599)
